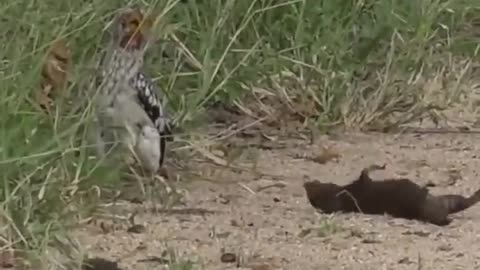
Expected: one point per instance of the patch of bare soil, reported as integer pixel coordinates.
(255, 215)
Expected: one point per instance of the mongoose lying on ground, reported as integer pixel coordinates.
(397, 197)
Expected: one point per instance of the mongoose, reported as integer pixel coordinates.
(400, 198)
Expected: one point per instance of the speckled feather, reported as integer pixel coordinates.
(148, 99)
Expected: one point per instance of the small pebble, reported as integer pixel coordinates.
(228, 258)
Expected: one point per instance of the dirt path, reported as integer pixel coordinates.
(276, 228)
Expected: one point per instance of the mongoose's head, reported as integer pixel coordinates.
(323, 196)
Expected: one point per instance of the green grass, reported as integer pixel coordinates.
(364, 63)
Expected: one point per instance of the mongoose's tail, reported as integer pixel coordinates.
(457, 203)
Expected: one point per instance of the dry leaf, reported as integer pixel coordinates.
(43, 101)
(217, 160)
(8, 257)
(54, 74)
(325, 156)
(55, 64)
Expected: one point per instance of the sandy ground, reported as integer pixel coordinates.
(267, 222)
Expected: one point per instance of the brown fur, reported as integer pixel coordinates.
(397, 197)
